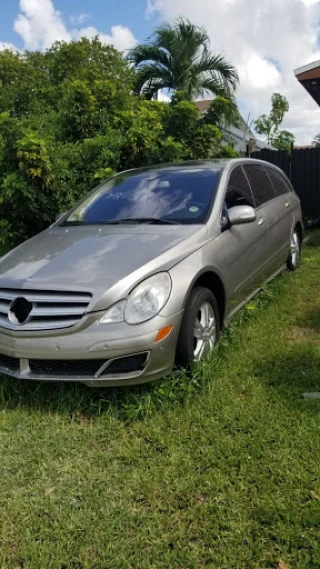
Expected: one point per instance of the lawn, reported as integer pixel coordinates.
(219, 471)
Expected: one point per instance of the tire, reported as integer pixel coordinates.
(201, 309)
(293, 261)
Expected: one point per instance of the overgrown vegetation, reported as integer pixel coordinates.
(219, 470)
(69, 118)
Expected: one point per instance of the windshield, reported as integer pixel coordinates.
(181, 195)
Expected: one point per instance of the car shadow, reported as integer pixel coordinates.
(286, 377)
(291, 374)
(74, 400)
(314, 239)
(311, 321)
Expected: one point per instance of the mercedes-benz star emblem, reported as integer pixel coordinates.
(19, 311)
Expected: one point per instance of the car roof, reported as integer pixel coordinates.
(214, 164)
(201, 164)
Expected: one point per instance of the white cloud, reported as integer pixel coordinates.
(121, 37)
(258, 73)
(39, 24)
(79, 19)
(153, 6)
(266, 41)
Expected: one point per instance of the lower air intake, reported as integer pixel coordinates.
(128, 364)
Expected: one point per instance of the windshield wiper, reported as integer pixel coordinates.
(128, 220)
(144, 220)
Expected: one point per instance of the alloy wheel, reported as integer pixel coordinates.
(295, 249)
(205, 332)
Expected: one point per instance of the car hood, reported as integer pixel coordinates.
(93, 259)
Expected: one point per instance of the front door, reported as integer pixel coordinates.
(247, 244)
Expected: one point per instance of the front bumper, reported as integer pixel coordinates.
(93, 353)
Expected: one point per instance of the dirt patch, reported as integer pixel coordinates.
(303, 334)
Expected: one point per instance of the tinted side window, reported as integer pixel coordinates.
(260, 184)
(279, 183)
(238, 192)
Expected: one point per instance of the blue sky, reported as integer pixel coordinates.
(101, 14)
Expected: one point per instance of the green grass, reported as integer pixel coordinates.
(219, 471)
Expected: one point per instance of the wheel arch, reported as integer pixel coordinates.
(299, 228)
(210, 279)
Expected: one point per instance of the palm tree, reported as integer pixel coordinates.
(316, 142)
(177, 57)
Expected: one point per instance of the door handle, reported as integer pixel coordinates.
(261, 221)
(287, 204)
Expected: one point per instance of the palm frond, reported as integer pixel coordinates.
(211, 85)
(316, 141)
(217, 66)
(179, 56)
(150, 76)
(190, 33)
(153, 86)
(143, 53)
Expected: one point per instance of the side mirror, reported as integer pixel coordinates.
(241, 214)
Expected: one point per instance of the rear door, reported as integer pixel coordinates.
(246, 244)
(280, 215)
(264, 199)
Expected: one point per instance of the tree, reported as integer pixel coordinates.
(58, 132)
(284, 140)
(198, 138)
(316, 141)
(177, 57)
(223, 112)
(269, 125)
(69, 119)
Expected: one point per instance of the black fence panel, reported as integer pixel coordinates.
(279, 157)
(305, 178)
(302, 166)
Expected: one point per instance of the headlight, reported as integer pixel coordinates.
(147, 299)
(143, 303)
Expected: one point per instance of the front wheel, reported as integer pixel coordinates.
(200, 327)
(295, 251)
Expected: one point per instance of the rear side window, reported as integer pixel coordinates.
(280, 184)
(238, 192)
(260, 184)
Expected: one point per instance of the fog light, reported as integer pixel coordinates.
(163, 333)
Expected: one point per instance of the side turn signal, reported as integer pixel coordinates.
(163, 333)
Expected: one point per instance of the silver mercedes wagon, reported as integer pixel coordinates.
(145, 271)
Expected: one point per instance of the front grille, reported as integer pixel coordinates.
(65, 368)
(41, 310)
(9, 364)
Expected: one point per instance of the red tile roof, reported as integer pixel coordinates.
(203, 106)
